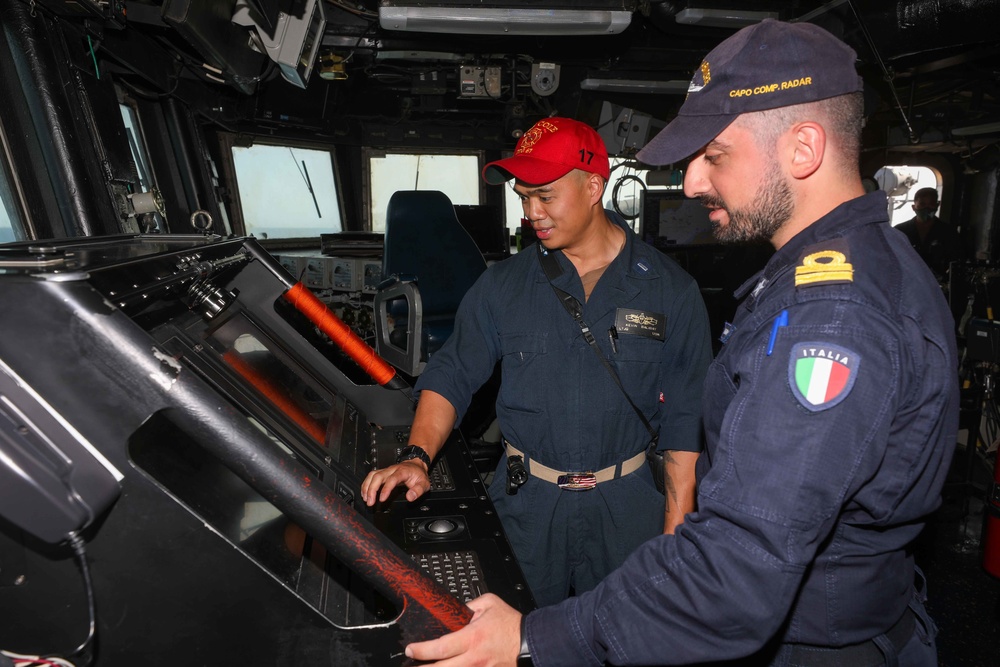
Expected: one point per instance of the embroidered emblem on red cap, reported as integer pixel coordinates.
(532, 136)
(549, 150)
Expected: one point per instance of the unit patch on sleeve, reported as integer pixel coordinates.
(821, 375)
(641, 323)
(825, 264)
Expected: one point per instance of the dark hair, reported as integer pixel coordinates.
(843, 117)
(926, 192)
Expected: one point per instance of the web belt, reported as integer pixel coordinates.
(578, 481)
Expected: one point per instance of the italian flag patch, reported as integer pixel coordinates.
(822, 374)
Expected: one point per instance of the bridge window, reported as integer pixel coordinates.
(141, 157)
(455, 175)
(10, 227)
(901, 183)
(287, 192)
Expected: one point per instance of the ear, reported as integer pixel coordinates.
(808, 144)
(595, 188)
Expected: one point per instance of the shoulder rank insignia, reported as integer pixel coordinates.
(825, 264)
(821, 375)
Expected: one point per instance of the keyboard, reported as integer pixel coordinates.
(458, 571)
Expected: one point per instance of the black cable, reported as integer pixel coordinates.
(357, 44)
(614, 194)
(885, 71)
(77, 544)
(148, 94)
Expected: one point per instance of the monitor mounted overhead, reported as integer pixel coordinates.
(625, 130)
(292, 39)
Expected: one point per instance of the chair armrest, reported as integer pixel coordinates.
(406, 359)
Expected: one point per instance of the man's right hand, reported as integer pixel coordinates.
(378, 485)
(432, 423)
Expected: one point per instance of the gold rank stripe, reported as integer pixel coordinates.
(810, 277)
(824, 266)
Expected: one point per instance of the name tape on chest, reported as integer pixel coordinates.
(641, 323)
(822, 375)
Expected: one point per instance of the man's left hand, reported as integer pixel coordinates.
(491, 639)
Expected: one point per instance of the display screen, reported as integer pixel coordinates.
(486, 227)
(290, 394)
(669, 218)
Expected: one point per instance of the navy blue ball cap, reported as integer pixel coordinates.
(764, 66)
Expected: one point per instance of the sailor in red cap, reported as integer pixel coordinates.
(578, 410)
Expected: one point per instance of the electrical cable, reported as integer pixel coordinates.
(23, 660)
(53, 660)
(357, 44)
(614, 194)
(147, 94)
(79, 550)
(885, 71)
(93, 56)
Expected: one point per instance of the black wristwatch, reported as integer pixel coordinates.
(524, 655)
(411, 452)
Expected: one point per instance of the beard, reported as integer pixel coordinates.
(770, 208)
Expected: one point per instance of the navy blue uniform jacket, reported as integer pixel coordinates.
(825, 452)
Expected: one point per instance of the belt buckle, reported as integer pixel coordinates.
(577, 481)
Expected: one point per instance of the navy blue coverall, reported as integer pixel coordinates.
(831, 414)
(559, 405)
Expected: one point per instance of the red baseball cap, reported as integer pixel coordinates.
(552, 148)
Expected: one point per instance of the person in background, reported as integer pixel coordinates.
(830, 412)
(935, 241)
(574, 492)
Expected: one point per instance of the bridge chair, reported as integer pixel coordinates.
(428, 265)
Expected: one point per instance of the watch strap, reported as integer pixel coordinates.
(524, 653)
(411, 452)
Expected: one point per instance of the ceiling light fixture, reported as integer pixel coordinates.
(674, 87)
(503, 21)
(973, 130)
(722, 18)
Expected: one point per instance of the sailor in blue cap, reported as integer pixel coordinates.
(830, 412)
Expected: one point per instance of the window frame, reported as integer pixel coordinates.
(367, 153)
(21, 228)
(905, 203)
(141, 155)
(229, 142)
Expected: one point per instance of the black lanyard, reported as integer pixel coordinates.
(572, 305)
